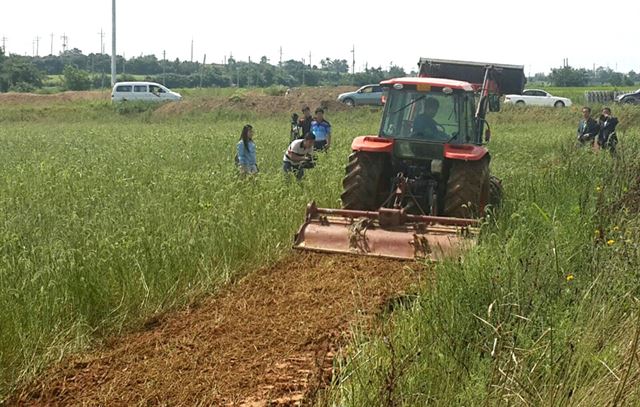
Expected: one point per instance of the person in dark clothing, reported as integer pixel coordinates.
(305, 122)
(607, 136)
(424, 125)
(588, 128)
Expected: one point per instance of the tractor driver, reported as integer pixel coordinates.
(424, 125)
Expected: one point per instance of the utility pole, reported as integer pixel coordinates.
(101, 41)
(113, 42)
(280, 63)
(4, 44)
(310, 59)
(353, 60)
(204, 61)
(192, 49)
(302, 71)
(65, 40)
(164, 67)
(51, 44)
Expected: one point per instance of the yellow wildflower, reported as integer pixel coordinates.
(570, 277)
(598, 188)
(615, 228)
(596, 232)
(610, 242)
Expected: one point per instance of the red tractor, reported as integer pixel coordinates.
(417, 188)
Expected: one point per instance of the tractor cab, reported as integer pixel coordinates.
(426, 109)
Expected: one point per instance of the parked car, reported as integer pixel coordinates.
(146, 91)
(366, 95)
(537, 97)
(633, 98)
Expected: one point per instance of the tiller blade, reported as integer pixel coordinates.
(385, 233)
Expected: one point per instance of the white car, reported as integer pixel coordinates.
(537, 97)
(146, 91)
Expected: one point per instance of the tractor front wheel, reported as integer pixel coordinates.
(363, 185)
(467, 189)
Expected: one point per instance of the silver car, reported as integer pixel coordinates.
(366, 95)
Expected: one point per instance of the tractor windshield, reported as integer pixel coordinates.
(432, 116)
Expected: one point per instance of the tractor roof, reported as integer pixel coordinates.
(437, 82)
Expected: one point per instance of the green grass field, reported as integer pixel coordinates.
(108, 218)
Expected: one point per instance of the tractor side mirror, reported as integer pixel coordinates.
(494, 103)
(487, 135)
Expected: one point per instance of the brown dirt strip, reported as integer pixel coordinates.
(267, 340)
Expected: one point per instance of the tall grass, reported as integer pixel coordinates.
(103, 224)
(108, 217)
(544, 311)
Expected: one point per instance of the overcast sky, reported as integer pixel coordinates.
(537, 34)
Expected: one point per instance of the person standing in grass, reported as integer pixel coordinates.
(588, 128)
(321, 129)
(246, 151)
(305, 122)
(607, 136)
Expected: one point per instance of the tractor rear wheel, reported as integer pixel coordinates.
(467, 189)
(364, 184)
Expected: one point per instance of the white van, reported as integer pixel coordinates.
(146, 91)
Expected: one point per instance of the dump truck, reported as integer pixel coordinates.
(418, 188)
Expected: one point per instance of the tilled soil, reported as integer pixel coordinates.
(36, 99)
(267, 340)
(254, 101)
(259, 103)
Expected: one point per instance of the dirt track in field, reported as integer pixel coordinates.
(267, 340)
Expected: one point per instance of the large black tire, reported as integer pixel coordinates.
(467, 191)
(495, 192)
(363, 184)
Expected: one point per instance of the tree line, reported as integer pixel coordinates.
(93, 71)
(569, 76)
(82, 72)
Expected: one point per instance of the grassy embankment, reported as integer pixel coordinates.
(545, 310)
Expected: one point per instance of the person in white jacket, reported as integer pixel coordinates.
(299, 156)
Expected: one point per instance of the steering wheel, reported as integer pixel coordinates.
(438, 134)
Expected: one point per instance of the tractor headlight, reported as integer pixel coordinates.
(436, 166)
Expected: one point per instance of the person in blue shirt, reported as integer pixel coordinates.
(321, 129)
(246, 151)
